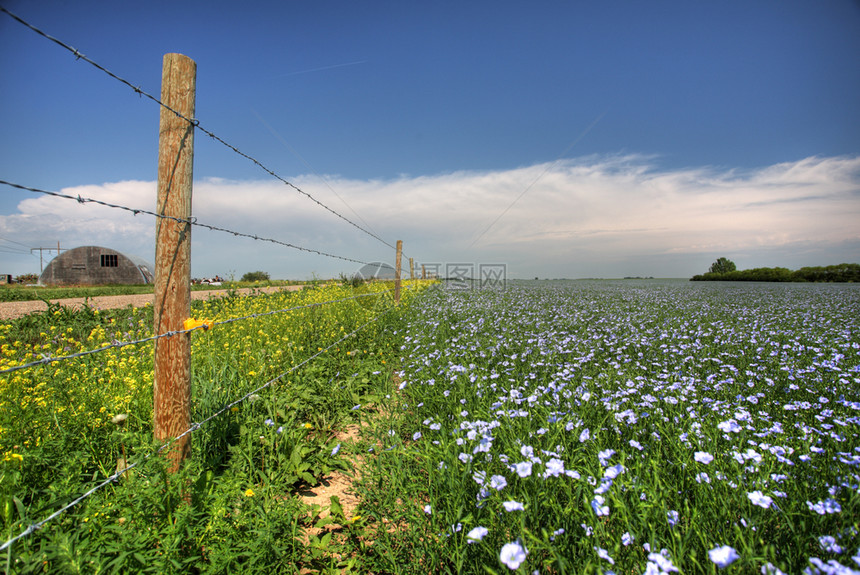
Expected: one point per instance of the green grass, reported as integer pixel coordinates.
(234, 506)
(626, 425)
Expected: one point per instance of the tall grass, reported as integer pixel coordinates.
(68, 425)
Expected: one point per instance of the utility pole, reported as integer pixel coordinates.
(41, 261)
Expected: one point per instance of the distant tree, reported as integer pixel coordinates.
(723, 266)
(27, 278)
(255, 276)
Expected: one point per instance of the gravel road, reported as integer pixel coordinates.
(16, 309)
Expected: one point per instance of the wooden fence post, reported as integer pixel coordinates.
(411, 269)
(397, 273)
(172, 384)
(423, 272)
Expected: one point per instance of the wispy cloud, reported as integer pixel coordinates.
(606, 216)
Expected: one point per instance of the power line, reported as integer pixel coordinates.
(192, 221)
(7, 250)
(14, 242)
(193, 121)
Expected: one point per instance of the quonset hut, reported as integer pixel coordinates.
(94, 265)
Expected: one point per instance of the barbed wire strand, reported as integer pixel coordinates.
(119, 344)
(194, 426)
(192, 221)
(193, 121)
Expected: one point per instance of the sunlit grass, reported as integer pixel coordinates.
(59, 433)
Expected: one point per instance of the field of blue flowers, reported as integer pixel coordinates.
(623, 427)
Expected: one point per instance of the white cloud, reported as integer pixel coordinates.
(593, 216)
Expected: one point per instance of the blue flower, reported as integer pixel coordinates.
(554, 468)
(513, 555)
(523, 468)
(335, 450)
(758, 498)
(672, 518)
(723, 556)
(626, 539)
(598, 506)
(825, 507)
(703, 457)
(604, 456)
(604, 554)
(476, 534)
(662, 562)
(513, 506)
(498, 482)
(614, 471)
(730, 426)
(828, 543)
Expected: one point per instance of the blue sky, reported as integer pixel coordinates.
(616, 138)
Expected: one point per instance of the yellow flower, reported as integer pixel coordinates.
(249, 492)
(308, 426)
(234, 409)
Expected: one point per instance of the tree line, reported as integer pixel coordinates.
(724, 270)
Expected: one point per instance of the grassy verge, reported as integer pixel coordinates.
(234, 505)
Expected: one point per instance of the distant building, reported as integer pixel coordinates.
(94, 265)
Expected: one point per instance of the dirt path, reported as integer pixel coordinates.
(16, 309)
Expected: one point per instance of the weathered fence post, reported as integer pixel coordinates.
(397, 273)
(172, 385)
(411, 269)
(423, 272)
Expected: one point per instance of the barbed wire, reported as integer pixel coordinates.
(119, 344)
(192, 121)
(194, 426)
(192, 221)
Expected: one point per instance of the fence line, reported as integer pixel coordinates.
(188, 221)
(194, 426)
(191, 221)
(193, 121)
(119, 344)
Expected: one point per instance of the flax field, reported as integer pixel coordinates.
(637, 426)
